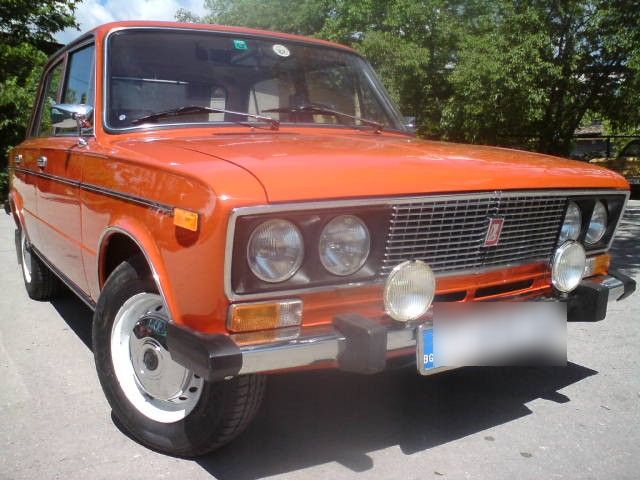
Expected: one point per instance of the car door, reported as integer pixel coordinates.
(60, 173)
(27, 153)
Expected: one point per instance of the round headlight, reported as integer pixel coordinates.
(275, 250)
(409, 290)
(572, 223)
(568, 265)
(344, 245)
(598, 223)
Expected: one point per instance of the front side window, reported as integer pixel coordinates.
(78, 87)
(151, 71)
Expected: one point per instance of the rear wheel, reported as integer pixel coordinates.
(41, 283)
(162, 404)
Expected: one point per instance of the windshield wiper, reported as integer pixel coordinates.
(322, 110)
(194, 109)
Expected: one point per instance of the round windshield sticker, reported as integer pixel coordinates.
(281, 50)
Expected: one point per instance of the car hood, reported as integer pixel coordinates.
(304, 166)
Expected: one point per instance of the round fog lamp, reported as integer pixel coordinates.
(409, 290)
(567, 268)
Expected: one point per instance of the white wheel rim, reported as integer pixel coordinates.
(161, 390)
(26, 257)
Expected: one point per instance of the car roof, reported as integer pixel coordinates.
(103, 29)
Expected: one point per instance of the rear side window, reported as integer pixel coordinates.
(51, 89)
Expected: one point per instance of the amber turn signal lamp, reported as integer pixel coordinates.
(185, 219)
(597, 265)
(247, 317)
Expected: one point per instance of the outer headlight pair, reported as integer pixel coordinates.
(573, 223)
(276, 248)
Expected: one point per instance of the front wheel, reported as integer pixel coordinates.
(161, 403)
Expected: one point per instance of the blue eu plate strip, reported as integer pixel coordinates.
(427, 345)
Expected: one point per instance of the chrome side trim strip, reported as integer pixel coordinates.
(390, 202)
(55, 178)
(160, 207)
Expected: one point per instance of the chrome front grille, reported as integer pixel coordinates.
(449, 232)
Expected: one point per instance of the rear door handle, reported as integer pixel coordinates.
(42, 162)
(18, 159)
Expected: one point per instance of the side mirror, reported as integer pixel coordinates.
(76, 114)
(410, 124)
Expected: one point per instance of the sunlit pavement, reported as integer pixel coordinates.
(580, 421)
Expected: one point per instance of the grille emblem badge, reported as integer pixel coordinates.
(493, 231)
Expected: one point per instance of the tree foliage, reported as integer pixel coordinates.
(507, 72)
(26, 39)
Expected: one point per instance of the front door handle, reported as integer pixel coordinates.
(18, 159)
(42, 162)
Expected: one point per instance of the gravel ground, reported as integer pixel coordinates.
(580, 421)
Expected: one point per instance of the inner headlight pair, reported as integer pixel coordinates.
(276, 248)
(573, 223)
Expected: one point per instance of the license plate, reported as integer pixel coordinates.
(425, 349)
(492, 334)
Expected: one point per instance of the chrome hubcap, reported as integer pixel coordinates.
(26, 257)
(158, 387)
(157, 374)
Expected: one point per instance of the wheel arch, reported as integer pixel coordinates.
(119, 243)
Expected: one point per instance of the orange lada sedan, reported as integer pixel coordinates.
(233, 203)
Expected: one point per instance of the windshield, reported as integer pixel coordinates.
(151, 71)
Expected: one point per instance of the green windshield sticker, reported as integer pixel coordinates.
(240, 45)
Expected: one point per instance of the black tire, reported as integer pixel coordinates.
(41, 283)
(223, 410)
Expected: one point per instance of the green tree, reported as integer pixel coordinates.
(534, 69)
(26, 38)
(301, 17)
(509, 72)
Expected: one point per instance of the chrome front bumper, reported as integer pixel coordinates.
(315, 345)
(352, 342)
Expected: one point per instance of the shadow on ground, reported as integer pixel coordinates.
(77, 315)
(314, 418)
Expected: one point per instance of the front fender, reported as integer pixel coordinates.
(146, 244)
